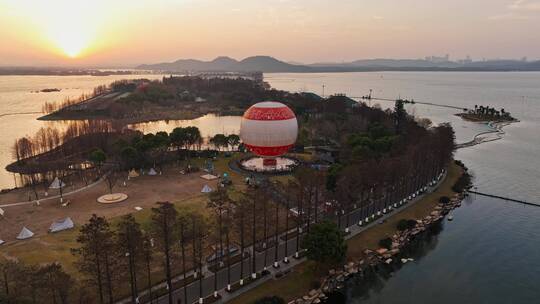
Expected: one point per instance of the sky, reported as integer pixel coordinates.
(129, 32)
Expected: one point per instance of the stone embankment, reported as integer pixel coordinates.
(374, 258)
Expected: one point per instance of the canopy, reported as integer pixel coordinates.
(209, 177)
(60, 225)
(25, 234)
(57, 184)
(133, 173)
(206, 189)
(152, 172)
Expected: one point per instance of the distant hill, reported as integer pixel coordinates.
(220, 64)
(269, 64)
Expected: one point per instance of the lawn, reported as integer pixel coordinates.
(57, 247)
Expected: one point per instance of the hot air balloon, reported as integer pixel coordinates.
(269, 129)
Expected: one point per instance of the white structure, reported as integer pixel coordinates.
(57, 184)
(61, 225)
(152, 172)
(25, 234)
(206, 189)
(269, 129)
(133, 174)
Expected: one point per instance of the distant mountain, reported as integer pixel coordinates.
(272, 65)
(256, 63)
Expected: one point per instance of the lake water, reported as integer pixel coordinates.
(490, 252)
(16, 97)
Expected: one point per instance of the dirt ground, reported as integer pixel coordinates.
(143, 191)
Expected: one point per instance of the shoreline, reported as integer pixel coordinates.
(496, 129)
(368, 237)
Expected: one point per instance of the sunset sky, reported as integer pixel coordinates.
(129, 32)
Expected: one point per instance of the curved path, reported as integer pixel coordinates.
(496, 131)
(55, 196)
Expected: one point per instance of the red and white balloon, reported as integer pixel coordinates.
(269, 129)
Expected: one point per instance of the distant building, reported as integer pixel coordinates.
(436, 59)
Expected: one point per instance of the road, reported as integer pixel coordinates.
(193, 289)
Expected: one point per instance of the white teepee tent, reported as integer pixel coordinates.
(57, 184)
(152, 172)
(25, 234)
(133, 173)
(63, 224)
(206, 189)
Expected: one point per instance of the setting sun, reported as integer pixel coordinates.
(68, 27)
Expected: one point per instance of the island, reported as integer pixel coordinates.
(486, 114)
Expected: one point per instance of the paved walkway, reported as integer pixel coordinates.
(193, 289)
(55, 196)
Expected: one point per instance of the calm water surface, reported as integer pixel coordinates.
(490, 253)
(16, 97)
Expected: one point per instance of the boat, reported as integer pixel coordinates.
(450, 218)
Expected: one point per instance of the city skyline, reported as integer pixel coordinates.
(127, 33)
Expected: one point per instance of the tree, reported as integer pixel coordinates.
(96, 255)
(178, 139)
(130, 244)
(129, 157)
(233, 140)
(147, 256)
(111, 178)
(55, 281)
(164, 222)
(325, 243)
(399, 115)
(219, 140)
(97, 157)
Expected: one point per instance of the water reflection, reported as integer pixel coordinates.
(209, 125)
(372, 282)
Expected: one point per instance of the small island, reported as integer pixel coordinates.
(486, 114)
(172, 98)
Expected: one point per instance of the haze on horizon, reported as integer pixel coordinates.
(130, 32)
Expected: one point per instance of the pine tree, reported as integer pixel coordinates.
(164, 223)
(96, 256)
(130, 244)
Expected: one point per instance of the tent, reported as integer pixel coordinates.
(2, 242)
(206, 189)
(61, 225)
(209, 177)
(1, 212)
(152, 172)
(133, 173)
(25, 234)
(57, 184)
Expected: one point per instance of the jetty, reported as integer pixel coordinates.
(505, 198)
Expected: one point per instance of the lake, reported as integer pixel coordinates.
(488, 254)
